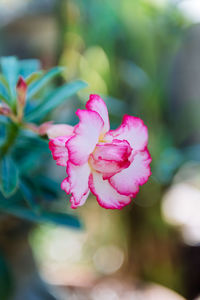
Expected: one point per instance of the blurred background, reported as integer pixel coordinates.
(143, 58)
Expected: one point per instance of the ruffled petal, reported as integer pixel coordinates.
(133, 130)
(110, 158)
(59, 130)
(95, 103)
(73, 200)
(127, 181)
(106, 195)
(87, 133)
(59, 151)
(77, 183)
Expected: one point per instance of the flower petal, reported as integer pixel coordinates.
(95, 103)
(117, 150)
(106, 195)
(133, 130)
(73, 200)
(128, 180)
(111, 158)
(59, 151)
(59, 130)
(43, 128)
(77, 183)
(87, 132)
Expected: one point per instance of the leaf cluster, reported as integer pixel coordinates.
(26, 190)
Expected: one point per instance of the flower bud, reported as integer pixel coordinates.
(21, 96)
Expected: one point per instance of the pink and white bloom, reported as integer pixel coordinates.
(112, 164)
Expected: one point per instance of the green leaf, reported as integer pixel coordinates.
(8, 176)
(30, 162)
(4, 99)
(4, 89)
(28, 66)
(56, 98)
(62, 219)
(33, 77)
(4, 82)
(43, 81)
(47, 183)
(3, 120)
(10, 69)
(49, 188)
(29, 195)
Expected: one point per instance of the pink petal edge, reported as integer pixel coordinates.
(96, 103)
(87, 133)
(76, 183)
(127, 181)
(132, 130)
(106, 195)
(59, 151)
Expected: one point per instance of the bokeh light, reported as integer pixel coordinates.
(108, 259)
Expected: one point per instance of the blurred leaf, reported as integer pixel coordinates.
(48, 188)
(31, 154)
(33, 77)
(62, 219)
(2, 132)
(8, 176)
(4, 99)
(29, 195)
(28, 139)
(4, 88)
(6, 284)
(28, 66)
(4, 81)
(42, 82)
(10, 69)
(167, 164)
(28, 151)
(4, 120)
(56, 98)
(15, 199)
(30, 161)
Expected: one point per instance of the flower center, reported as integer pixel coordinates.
(110, 158)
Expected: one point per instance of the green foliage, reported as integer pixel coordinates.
(8, 176)
(54, 99)
(25, 190)
(6, 281)
(39, 84)
(62, 219)
(10, 71)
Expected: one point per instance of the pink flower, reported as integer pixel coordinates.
(112, 164)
